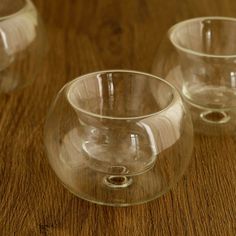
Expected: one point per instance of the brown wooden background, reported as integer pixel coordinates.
(85, 36)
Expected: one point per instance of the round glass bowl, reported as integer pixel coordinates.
(22, 44)
(118, 137)
(198, 56)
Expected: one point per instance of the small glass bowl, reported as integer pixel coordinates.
(22, 44)
(118, 137)
(198, 56)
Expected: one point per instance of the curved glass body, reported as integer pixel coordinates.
(199, 57)
(118, 137)
(22, 44)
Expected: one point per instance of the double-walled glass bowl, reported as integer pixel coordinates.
(22, 44)
(118, 137)
(198, 56)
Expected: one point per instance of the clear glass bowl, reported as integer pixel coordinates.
(198, 56)
(118, 137)
(22, 44)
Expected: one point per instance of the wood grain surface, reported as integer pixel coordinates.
(86, 36)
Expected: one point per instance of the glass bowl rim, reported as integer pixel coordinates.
(174, 91)
(26, 4)
(196, 19)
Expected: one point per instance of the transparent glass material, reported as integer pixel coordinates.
(198, 56)
(22, 44)
(118, 137)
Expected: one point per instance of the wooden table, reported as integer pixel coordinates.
(86, 36)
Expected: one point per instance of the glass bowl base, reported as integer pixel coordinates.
(113, 181)
(118, 191)
(213, 122)
(215, 117)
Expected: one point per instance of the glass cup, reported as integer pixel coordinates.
(118, 137)
(22, 44)
(202, 61)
